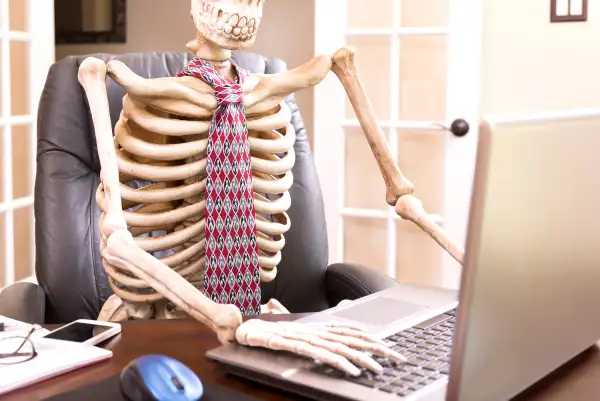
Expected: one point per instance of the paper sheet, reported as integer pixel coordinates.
(14, 327)
(54, 357)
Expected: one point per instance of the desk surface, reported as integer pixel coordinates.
(187, 341)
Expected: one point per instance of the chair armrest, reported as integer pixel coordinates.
(23, 301)
(352, 281)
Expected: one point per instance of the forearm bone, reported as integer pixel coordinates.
(399, 190)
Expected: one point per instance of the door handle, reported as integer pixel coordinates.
(459, 127)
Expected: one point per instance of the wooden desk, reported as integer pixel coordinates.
(187, 341)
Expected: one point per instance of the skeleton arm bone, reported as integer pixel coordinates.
(274, 88)
(268, 91)
(157, 88)
(398, 189)
(120, 249)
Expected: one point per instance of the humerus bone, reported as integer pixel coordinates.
(398, 189)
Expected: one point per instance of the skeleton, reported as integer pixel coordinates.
(161, 137)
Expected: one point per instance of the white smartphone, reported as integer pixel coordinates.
(85, 331)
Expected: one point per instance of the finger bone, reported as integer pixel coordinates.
(256, 337)
(357, 357)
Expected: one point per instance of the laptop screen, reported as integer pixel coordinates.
(530, 282)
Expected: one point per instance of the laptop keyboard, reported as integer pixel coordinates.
(427, 346)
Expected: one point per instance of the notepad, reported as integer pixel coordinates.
(54, 358)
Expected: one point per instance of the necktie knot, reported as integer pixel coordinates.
(228, 93)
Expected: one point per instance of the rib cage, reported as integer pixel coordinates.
(161, 146)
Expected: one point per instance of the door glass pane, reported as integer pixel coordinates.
(423, 65)
(23, 240)
(371, 14)
(1, 79)
(417, 255)
(364, 242)
(18, 15)
(424, 13)
(373, 68)
(363, 182)
(21, 155)
(2, 267)
(421, 159)
(19, 74)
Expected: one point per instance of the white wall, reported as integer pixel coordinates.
(532, 65)
(287, 32)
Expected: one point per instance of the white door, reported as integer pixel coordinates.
(26, 53)
(419, 61)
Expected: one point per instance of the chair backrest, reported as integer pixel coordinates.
(68, 263)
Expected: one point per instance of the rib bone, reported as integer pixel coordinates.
(119, 249)
(156, 142)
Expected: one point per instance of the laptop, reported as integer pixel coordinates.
(528, 299)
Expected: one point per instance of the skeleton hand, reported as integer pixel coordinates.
(339, 345)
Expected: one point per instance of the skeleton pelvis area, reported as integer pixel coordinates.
(161, 143)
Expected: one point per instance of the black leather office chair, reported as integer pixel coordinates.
(72, 282)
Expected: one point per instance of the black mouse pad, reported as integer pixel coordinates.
(109, 389)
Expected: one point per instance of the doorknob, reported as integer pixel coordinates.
(459, 127)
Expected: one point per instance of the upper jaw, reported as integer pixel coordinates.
(230, 24)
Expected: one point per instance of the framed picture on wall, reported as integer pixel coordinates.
(568, 10)
(90, 21)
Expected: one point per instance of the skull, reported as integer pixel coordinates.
(231, 24)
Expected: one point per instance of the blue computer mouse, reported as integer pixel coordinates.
(160, 378)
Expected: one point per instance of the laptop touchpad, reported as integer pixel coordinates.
(380, 311)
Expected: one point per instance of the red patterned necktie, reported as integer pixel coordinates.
(231, 273)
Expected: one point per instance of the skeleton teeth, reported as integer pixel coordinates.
(230, 26)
